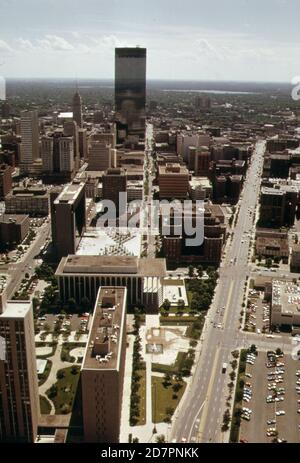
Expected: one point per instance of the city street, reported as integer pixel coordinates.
(26, 265)
(200, 416)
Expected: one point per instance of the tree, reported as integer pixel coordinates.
(85, 304)
(177, 387)
(52, 391)
(60, 374)
(200, 271)
(161, 439)
(74, 370)
(72, 305)
(167, 380)
(269, 262)
(191, 271)
(253, 349)
(166, 305)
(46, 328)
(169, 411)
(180, 305)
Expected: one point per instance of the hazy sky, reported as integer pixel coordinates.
(186, 39)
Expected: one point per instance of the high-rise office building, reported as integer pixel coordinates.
(47, 154)
(19, 398)
(30, 140)
(5, 180)
(66, 153)
(5, 110)
(83, 143)
(114, 182)
(71, 130)
(57, 152)
(101, 155)
(77, 109)
(173, 181)
(130, 91)
(102, 373)
(68, 218)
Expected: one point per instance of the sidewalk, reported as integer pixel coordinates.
(143, 433)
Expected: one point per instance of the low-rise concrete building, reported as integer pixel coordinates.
(13, 228)
(285, 309)
(272, 243)
(82, 276)
(27, 200)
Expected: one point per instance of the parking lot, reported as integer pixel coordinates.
(67, 322)
(258, 313)
(271, 399)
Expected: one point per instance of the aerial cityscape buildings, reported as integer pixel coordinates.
(149, 253)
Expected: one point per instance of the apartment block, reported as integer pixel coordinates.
(102, 372)
(19, 398)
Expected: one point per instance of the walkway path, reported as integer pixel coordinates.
(57, 364)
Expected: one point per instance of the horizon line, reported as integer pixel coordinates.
(154, 79)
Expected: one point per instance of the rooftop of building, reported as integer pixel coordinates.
(105, 340)
(131, 52)
(271, 191)
(28, 191)
(272, 232)
(70, 193)
(172, 168)
(236, 178)
(66, 115)
(272, 242)
(110, 265)
(200, 181)
(13, 218)
(280, 156)
(287, 295)
(115, 171)
(280, 188)
(16, 309)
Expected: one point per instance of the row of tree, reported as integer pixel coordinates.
(137, 366)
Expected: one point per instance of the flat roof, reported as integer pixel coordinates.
(105, 340)
(16, 309)
(201, 181)
(173, 169)
(13, 218)
(110, 265)
(70, 193)
(65, 115)
(271, 191)
(287, 295)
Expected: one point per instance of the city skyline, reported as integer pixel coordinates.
(194, 41)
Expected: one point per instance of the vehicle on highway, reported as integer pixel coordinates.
(224, 367)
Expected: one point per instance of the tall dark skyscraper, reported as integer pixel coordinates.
(77, 109)
(130, 91)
